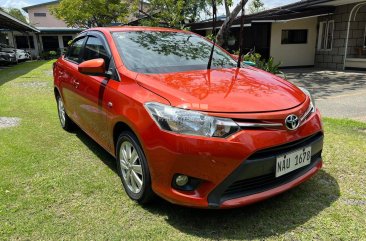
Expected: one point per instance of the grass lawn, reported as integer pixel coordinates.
(55, 185)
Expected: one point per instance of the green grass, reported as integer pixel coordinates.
(55, 185)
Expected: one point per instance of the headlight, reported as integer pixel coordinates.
(190, 122)
(312, 101)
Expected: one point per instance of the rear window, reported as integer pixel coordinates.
(164, 52)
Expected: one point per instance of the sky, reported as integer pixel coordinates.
(24, 3)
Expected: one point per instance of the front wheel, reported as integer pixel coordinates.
(133, 168)
(66, 123)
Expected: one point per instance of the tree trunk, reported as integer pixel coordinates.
(227, 9)
(228, 22)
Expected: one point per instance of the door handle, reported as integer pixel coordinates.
(76, 84)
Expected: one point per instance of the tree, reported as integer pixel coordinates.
(229, 22)
(256, 6)
(94, 13)
(174, 13)
(227, 4)
(16, 13)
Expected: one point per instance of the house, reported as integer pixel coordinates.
(328, 34)
(47, 32)
(52, 33)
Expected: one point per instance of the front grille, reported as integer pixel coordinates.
(265, 182)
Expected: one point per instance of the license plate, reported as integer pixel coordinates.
(294, 160)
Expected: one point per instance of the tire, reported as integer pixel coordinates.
(66, 123)
(133, 169)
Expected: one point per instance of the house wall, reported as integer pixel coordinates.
(357, 34)
(294, 54)
(48, 21)
(334, 59)
(59, 37)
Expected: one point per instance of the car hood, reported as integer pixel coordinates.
(226, 90)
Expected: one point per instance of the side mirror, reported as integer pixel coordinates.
(93, 67)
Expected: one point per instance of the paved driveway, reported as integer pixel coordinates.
(338, 94)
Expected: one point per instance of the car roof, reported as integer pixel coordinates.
(133, 28)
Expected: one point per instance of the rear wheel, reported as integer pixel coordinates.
(133, 169)
(66, 123)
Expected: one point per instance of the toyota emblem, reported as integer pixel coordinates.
(292, 122)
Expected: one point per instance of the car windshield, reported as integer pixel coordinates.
(164, 52)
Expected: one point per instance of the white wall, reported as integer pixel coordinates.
(294, 54)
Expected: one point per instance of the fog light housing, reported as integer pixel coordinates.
(185, 183)
(181, 180)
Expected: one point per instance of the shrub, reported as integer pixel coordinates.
(261, 63)
(48, 55)
(211, 37)
(44, 55)
(52, 54)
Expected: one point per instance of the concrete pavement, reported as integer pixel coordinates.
(338, 94)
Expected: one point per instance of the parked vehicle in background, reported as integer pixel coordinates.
(211, 138)
(20, 54)
(7, 57)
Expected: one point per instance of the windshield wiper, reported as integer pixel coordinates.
(213, 33)
(241, 47)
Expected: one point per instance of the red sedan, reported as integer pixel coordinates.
(211, 138)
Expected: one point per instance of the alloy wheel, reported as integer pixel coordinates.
(131, 167)
(61, 111)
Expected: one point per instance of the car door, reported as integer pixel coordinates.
(92, 107)
(69, 77)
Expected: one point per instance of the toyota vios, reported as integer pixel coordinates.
(212, 138)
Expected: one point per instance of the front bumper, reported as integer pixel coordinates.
(227, 166)
(8, 59)
(256, 175)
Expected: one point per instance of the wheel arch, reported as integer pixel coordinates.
(118, 128)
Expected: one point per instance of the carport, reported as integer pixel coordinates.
(10, 24)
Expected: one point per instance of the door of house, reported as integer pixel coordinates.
(257, 37)
(260, 39)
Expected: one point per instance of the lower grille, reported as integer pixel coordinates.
(262, 183)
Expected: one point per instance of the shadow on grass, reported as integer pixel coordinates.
(277, 215)
(102, 154)
(12, 72)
